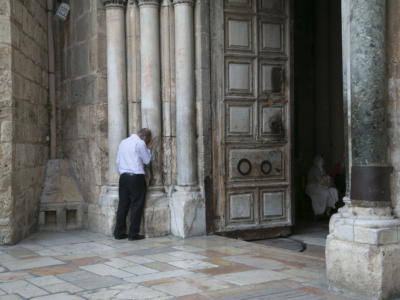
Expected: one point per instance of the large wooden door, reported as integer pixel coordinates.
(251, 114)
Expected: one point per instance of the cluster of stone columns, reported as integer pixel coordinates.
(185, 202)
(363, 248)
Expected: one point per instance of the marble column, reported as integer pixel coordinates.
(363, 247)
(187, 203)
(116, 83)
(102, 215)
(156, 216)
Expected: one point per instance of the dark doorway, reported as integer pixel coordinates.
(318, 89)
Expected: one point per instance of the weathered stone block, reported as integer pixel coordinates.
(5, 157)
(78, 8)
(5, 180)
(5, 84)
(65, 167)
(6, 131)
(52, 182)
(188, 212)
(5, 32)
(82, 28)
(362, 270)
(15, 36)
(93, 55)
(84, 90)
(70, 192)
(80, 60)
(18, 86)
(374, 236)
(5, 57)
(17, 11)
(5, 236)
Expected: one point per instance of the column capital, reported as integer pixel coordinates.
(114, 3)
(149, 2)
(188, 2)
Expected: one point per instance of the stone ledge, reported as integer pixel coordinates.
(364, 235)
(187, 213)
(363, 270)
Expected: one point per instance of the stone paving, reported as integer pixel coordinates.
(84, 265)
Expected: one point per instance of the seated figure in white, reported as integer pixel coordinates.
(320, 189)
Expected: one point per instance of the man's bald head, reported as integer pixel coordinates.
(144, 132)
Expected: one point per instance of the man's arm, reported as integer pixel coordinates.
(144, 153)
(118, 161)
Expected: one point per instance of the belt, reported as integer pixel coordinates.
(132, 174)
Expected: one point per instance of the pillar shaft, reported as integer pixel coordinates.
(370, 182)
(368, 82)
(151, 81)
(185, 93)
(116, 83)
(346, 4)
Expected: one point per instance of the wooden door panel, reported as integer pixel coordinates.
(251, 120)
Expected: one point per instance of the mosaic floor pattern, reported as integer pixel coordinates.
(84, 265)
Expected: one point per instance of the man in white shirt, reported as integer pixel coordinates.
(133, 152)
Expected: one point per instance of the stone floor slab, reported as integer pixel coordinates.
(60, 296)
(98, 282)
(23, 288)
(157, 276)
(43, 281)
(14, 276)
(252, 277)
(193, 264)
(32, 263)
(62, 287)
(49, 271)
(79, 275)
(92, 247)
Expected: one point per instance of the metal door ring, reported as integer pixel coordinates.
(239, 165)
(266, 162)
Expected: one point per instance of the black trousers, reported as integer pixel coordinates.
(132, 194)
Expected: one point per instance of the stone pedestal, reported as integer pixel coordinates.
(188, 212)
(102, 216)
(363, 253)
(156, 219)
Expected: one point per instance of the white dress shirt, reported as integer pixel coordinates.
(132, 153)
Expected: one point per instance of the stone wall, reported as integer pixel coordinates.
(393, 74)
(82, 94)
(6, 200)
(23, 117)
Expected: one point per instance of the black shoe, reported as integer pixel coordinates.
(138, 237)
(124, 236)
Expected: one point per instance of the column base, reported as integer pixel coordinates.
(102, 216)
(363, 253)
(188, 212)
(156, 219)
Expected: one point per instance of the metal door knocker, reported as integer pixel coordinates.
(264, 164)
(244, 160)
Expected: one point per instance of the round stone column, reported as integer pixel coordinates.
(370, 173)
(116, 83)
(151, 81)
(187, 202)
(185, 93)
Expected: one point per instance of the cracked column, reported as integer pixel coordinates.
(363, 249)
(102, 216)
(156, 214)
(187, 203)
